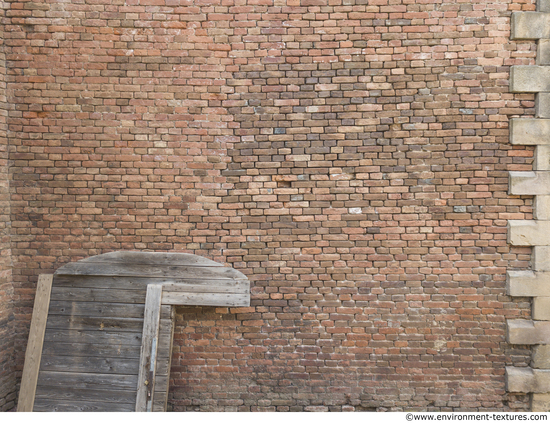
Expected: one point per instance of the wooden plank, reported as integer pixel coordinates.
(91, 350)
(88, 381)
(209, 284)
(160, 402)
(149, 271)
(99, 337)
(97, 294)
(77, 406)
(162, 381)
(103, 365)
(69, 393)
(95, 309)
(201, 299)
(152, 258)
(209, 287)
(95, 323)
(100, 309)
(34, 345)
(149, 347)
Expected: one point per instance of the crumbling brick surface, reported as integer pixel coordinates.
(350, 157)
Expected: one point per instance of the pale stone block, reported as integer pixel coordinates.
(525, 283)
(527, 332)
(542, 207)
(543, 52)
(529, 79)
(526, 379)
(530, 25)
(541, 308)
(528, 232)
(529, 183)
(530, 131)
(540, 403)
(542, 158)
(540, 258)
(540, 357)
(542, 105)
(543, 5)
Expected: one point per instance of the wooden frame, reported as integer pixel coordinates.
(83, 359)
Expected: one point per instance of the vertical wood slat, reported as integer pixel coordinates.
(149, 346)
(160, 402)
(33, 354)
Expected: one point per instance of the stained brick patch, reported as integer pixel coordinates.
(351, 158)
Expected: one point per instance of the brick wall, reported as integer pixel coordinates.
(7, 374)
(350, 157)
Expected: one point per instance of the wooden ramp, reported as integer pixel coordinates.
(102, 329)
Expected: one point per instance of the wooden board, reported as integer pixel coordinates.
(34, 346)
(149, 349)
(100, 328)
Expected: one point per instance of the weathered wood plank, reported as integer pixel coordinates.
(77, 406)
(94, 309)
(107, 337)
(69, 393)
(162, 385)
(161, 398)
(134, 283)
(99, 309)
(91, 350)
(95, 323)
(150, 271)
(149, 349)
(98, 295)
(152, 258)
(34, 345)
(104, 365)
(98, 337)
(210, 286)
(202, 299)
(88, 381)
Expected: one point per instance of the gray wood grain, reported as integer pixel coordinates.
(103, 365)
(151, 271)
(69, 393)
(87, 381)
(152, 258)
(78, 406)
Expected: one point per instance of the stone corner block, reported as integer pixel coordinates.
(529, 79)
(526, 283)
(541, 308)
(527, 380)
(540, 403)
(529, 131)
(530, 25)
(519, 379)
(540, 357)
(527, 332)
(528, 232)
(542, 105)
(528, 183)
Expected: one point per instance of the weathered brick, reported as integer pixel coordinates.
(350, 159)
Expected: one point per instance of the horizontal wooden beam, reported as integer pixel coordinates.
(204, 299)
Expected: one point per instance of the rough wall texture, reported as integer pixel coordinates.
(7, 371)
(351, 157)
